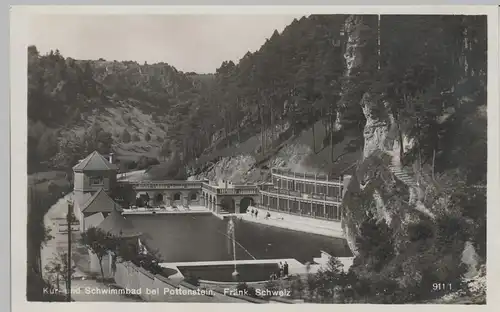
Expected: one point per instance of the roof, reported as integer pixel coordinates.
(81, 198)
(100, 202)
(118, 225)
(94, 162)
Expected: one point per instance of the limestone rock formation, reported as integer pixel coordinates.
(381, 186)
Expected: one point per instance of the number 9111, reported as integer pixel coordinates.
(441, 286)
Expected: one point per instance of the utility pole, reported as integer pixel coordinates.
(69, 220)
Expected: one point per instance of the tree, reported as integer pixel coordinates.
(297, 287)
(375, 243)
(330, 280)
(123, 193)
(37, 236)
(59, 267)
(99, 243)
(125, 136)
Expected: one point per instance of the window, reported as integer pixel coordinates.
(177, 196)
(96, 181)
(193, 196)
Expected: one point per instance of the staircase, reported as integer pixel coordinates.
(406, 177)
(403, 175)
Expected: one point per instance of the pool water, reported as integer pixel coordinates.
(223, 273)
(186, 238)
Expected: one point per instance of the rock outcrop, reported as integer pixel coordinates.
(381, 186)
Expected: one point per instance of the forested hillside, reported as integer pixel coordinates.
(76, 106)
(400, 101)
(287, 84)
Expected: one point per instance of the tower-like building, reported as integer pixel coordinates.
(93, 173)
(93, 179)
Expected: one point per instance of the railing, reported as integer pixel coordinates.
(209, 187)
(301, 196)
(166, 184)
(235, 190)
(307, 176)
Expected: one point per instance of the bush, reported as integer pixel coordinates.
(132, 165)
(146, 162)
(252, 292)
(191, 279)
(242, 286)
(272, 286)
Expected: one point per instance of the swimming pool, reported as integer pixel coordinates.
(256, 272)
(186, 238)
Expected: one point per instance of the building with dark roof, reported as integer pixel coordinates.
(92, 210)
(93, 173)
(94, 177)
(118, 225)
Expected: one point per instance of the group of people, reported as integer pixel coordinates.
(254, 212)
(283, 271)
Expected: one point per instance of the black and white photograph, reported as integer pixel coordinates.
(281, 158)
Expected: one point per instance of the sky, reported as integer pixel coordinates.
(198, 43)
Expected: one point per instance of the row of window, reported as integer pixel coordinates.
(303, 208)
(307, 188)
(177, 196)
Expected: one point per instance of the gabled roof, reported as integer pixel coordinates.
(81, 198)
(100, 202)
(118, 225)
(94, 162)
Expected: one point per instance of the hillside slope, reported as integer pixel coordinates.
(128, 102)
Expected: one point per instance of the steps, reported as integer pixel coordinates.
(403, 176)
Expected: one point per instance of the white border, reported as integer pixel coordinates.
(19, 28)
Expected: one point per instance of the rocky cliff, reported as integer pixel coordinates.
(428, 213)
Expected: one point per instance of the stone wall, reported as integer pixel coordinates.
(152, 287)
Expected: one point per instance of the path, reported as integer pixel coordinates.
(296, 223)
(59, 244)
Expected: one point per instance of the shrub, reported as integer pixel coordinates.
(252, 292)
(272, 286)
(242, 286)
(132, 165)
(191, 279)
(146, 162)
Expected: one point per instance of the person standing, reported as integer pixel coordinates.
(285, 269)
(281, 269)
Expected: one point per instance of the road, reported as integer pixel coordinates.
(59, 244)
